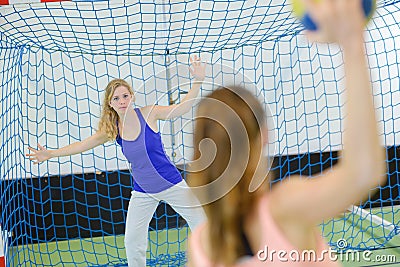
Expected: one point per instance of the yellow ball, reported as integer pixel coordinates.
(300, 11)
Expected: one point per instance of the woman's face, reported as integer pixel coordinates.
(121, 99)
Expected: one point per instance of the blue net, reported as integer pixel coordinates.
(56, 58)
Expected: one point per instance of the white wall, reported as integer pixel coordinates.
(60, 93)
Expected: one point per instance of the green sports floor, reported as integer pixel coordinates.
(167, 248)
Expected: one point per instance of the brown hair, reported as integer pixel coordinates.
(109, 116)
(220, 118)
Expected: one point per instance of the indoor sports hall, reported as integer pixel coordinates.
(56, 58)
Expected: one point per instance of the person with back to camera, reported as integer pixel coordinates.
(242, 223)
(155, 176)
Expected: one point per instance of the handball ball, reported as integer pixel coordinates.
(300, 11)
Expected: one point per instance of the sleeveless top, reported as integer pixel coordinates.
(152, 170)
(272, 241)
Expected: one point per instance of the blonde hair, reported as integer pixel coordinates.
(109, 117)
(218, 118)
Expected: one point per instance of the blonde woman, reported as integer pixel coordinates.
(155, 177)
(270, 227)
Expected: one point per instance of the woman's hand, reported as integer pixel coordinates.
(39, 155)
(338, 21)
(197, 68)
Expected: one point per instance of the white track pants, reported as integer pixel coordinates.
(140, 212)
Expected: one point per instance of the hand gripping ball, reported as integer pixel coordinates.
(301, 12)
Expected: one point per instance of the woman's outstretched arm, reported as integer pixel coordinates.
(41, 154)
(362, 166)
(197, 69)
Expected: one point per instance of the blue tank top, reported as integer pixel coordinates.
(152, 170)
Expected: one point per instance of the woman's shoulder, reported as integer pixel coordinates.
(197, 253)
(148, 108)
(148, 111)
(195, 236)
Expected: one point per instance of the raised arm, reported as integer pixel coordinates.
(197, 69)
(42, 154)
(361, 167)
